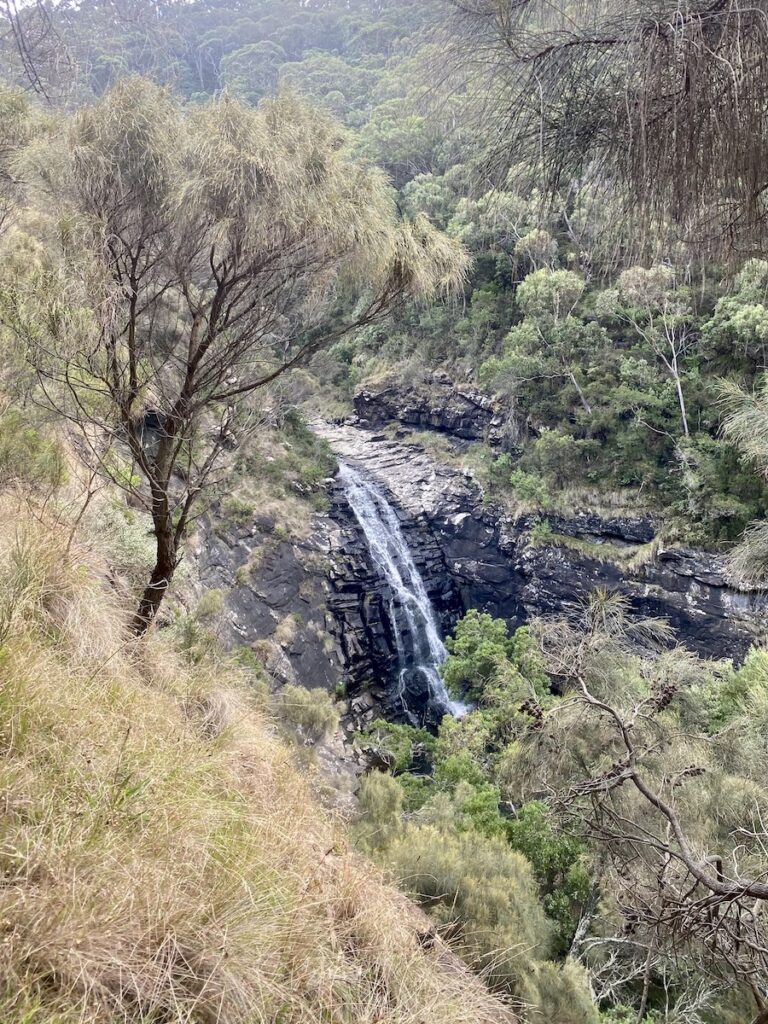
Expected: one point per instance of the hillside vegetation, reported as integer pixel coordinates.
(606, 346)
(163, 859)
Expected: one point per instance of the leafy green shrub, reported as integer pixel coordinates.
(467, 807)
(312, 711)
(250, 660)
(255, 674)
(482, 655)
(530, 488)
(417, 790)
(195, 632)
(558, 864)
(401, 742)
(562, 459)
(478, 646)
(499, 471)
(733, 692)
(459, 767)
(194, 641)
(541, 533)
(237, 511)
(127, 534)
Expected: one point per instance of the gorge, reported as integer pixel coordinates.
(409, 530)
(384, 535)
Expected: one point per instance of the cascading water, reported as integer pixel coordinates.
(417, 637)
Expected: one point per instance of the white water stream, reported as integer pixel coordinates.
(417, 636)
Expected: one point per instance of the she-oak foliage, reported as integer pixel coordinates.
(205, 252)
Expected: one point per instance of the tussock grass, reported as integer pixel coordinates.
(162, 859)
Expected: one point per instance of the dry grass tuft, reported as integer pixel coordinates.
(162, 859)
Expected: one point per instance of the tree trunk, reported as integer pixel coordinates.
(681, 400)
(585, 920)
(584, 402)
(160, 580)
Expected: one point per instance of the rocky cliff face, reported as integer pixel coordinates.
(474, 555)
(316, 606)
(277, 592)
(436, 403)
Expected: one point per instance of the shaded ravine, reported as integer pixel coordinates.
(420, 649)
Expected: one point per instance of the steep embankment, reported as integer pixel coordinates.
(162, 858)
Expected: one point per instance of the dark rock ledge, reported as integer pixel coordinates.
(435, 403)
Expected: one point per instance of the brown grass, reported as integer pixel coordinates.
(162, 859)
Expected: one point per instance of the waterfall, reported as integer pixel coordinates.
(420, 649)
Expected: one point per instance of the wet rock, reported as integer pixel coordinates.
(320, 603)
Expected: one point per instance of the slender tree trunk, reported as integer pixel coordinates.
(584, 402)
(162, 574)
(582, 928)
(681, 400)
(680, 396)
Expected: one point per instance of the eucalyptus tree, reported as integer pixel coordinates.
(205, 252)
(661, 313)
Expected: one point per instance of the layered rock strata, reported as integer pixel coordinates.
(476, 555)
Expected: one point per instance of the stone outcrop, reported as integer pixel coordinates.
(436, 403)
(316, 606)
(475, 555)
(276, 594)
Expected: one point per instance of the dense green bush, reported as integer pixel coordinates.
(403, 743)
(478, 889)
(560, 864)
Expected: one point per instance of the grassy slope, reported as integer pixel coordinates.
(162, 858)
